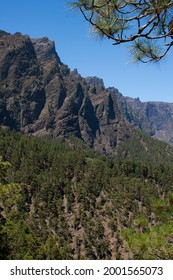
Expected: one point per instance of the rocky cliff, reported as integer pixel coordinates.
(22, 93)
(40, 95)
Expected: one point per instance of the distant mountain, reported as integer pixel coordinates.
(156, 118)
(40, 95)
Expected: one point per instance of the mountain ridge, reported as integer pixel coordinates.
(40, 95)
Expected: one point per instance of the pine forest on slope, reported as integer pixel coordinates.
(67, 202)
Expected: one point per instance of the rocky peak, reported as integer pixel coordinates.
(94, 80)
(2, 33)
(45, 50)
(94, 84)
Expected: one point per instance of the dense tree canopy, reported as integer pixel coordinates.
(61, 200)
(147, 25)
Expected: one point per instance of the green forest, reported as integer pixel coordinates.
(61, 200)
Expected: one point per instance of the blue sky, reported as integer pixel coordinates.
(78, 49)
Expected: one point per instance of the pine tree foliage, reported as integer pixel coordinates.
(147, 25)
(61, 200)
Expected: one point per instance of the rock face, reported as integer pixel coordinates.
(40, 95)
(22, 94)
